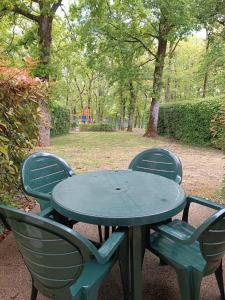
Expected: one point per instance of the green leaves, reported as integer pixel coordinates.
(218, 128)
(60, 122)
(190, 121)
(19, 119)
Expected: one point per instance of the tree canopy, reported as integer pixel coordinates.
(120, 58)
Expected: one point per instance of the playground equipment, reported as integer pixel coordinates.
(86, 116)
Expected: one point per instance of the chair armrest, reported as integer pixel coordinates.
(205, 202)
(200, 201)
(46, 212)
(109, 247)
(42, 196)
(36, 195)
(175, 234)
(178, 179)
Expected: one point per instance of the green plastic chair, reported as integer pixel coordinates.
(160, 162)
(40, 173)
(62, 263)
(156, 161)
(194, 253)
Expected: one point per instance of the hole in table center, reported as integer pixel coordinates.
(118, 189)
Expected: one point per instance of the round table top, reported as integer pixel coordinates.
(120, 197)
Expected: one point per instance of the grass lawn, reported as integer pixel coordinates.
(88, 151)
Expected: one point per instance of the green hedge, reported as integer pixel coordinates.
(96, 127)
(60, 119)
(218, 128)
(189, 121)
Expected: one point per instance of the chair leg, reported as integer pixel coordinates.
(100, 233)
(189, 283)
(106, 232)
(89, 293)
(124, 268)
(113, 229)
(162, 263)
(145, 235)
(34, 293)
(219, 278)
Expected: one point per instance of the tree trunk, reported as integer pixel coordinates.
(131, 106)
(144, 111)
(157, 79)
(168, 82)
(45, 40)
(98, 112)
(44, 21)
(98, 109)
(90, 80)
(205, 84)
(80, 93)
(122, 111)
(135, 120)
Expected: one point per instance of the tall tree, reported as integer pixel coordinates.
(205, 83)
(211, 16)
(42, 13)
(146, 25)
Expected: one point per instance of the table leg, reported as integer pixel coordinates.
(136, 248)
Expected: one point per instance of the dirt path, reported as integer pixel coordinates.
(203, 170)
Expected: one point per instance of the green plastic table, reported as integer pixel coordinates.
(120, 198)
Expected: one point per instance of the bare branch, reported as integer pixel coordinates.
(55, 6)
(78, 87)
(73, 36)
(135, 39)
(154, 36)
(25, 13)
(151, 59)
(175, 46)
(144, 46)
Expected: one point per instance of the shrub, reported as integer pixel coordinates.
(189, 121)
(60, 123)
(218, 128)
(19, 102)
(96, 127)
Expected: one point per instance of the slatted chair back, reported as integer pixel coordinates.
(54, 254)
(160, 162)
(41, 172)
(212, 241)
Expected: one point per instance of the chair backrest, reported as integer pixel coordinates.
(212, 241)
(54, 254)
(41, 171)
(160, 162)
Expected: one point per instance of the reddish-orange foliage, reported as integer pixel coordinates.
(19, 77)
(17, 82)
